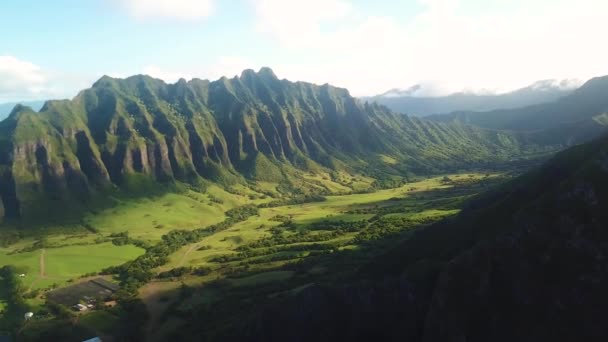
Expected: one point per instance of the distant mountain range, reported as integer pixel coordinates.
(576, 117)
(416, 102)
(6, 108)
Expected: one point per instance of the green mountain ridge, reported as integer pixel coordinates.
(7, 108)
(131, 133)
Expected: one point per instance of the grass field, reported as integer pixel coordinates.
(150, 218)
(43, 268)
(335, 208)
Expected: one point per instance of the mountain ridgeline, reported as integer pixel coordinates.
(415, 102)
(7, 108)
(135, 133)
(575, 118)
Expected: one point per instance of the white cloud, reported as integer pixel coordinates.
(174, 9)
(21, 79)
(447, 43)
(296, 23)
(229, 66)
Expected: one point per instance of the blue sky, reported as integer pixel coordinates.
(51, 49)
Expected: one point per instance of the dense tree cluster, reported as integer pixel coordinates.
(309, 198)
(9, 238)
(135, 273)
(13, 293)
(384, 227)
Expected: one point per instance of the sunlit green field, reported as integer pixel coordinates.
(64, 263)
(333, 209)
(77, 253)
(150, 218)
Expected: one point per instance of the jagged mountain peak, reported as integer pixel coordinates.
(21, 108)
(267, 72)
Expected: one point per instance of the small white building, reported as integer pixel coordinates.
(80, 307)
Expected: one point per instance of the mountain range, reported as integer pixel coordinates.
(129, 134)
(575, 117)
(7, 108)
(416, 100)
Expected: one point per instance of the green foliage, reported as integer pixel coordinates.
(310, 198)
(121, 239)
(242, 213)
(135, 273)
(175, 272)
(12, 292)
(383, 228)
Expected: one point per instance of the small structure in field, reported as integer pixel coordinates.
(90, 292)
(110, 303)
(80, 307)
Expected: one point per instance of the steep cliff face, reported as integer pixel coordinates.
(121, 130)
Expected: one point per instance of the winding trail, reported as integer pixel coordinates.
(42, 270)
(42, 273)
(182, 260)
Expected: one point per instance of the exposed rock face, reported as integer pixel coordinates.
(142, 127)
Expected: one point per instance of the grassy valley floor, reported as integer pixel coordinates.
(263, 253)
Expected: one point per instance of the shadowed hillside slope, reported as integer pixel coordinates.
(525, 262)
